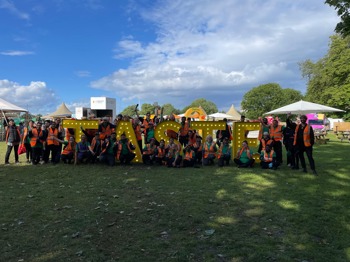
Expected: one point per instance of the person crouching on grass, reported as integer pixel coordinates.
(109, 150)
(173, 157)
(209, 150)
(244, 157)
(68, 152)
(268, 158)
(83, 151)
(125, 147)
(224, 153)
(148, 152)
(189, 157)
(160, 153)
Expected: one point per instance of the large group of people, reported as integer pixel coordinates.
(48, 142)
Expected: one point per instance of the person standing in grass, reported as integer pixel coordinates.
(244, 157)
(304, 140)
(26, 139)
(276, 133)
(13, 137)
(37, 141)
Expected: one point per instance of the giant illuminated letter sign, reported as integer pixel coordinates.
(208, 127)
(126, 128)
(76, 124)
(240, 131)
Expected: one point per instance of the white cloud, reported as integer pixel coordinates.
(17, 53)
(36, 97)
(220, 48)
(82, 103)
(10, 6)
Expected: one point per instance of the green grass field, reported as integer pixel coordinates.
(138, 213)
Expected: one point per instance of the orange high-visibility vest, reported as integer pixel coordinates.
(138, 132)
(189, 155)
(268, 158)
(36, 136)
(50, 140)
(161, 152)
(306, 135)
(68, 134)
(184, 129)
(264, 143)
(220, 150)
(276, 133)
(69, 148)
(106, 131)
(149, 150)
(208, 150)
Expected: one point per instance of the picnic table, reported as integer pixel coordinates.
(320, 136)
(343, 135)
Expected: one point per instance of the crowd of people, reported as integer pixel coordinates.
(48, 141)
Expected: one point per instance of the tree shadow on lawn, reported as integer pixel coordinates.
(206, 214)
(285, 215)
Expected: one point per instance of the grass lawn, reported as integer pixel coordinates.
(138, 213)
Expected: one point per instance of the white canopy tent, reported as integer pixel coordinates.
(303, 107)
(7, 107)
(220, 116)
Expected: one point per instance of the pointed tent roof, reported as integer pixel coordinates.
(234, 113)
(8, 107)
(62, 111)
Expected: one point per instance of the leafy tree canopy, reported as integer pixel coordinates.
(147, 108)
(170, 109)
(343, 11)
(329, 78)
(208, 106)
(129, 111)
(267, 97)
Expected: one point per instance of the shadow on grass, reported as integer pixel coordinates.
(96, 213)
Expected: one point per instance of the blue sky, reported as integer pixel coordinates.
(145, 51)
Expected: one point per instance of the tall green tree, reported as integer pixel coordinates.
(329, 78)
(170, 109)
(147, 108)
(343, 11)
(129, 111)
(267, 97)
(208, 106)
